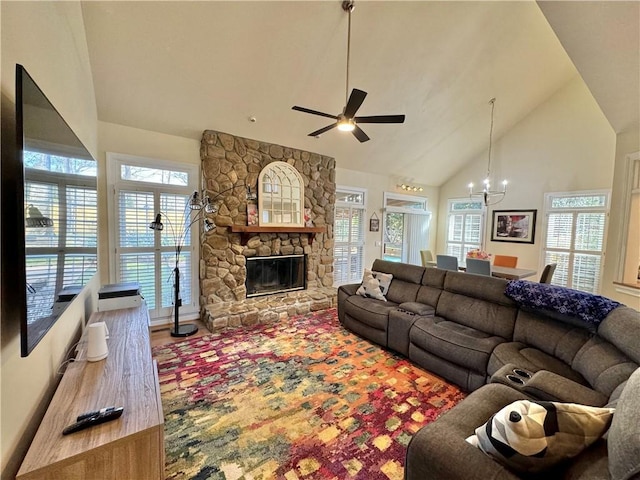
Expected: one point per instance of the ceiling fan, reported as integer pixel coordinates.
(347, 121)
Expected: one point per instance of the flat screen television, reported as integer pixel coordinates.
(49, 214)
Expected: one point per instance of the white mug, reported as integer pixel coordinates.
(97, 341)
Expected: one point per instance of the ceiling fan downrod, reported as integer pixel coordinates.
(348, 6)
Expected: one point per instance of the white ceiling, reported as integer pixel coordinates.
(183, 67)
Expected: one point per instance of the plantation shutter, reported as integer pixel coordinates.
(575, 237)
(136, 260)
(465, 227)
(348, 252)
(142, 252)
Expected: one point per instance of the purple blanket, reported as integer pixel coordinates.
(552, 298)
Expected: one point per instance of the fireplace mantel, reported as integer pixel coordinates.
(246, 231)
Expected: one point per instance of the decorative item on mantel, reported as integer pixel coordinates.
(479, 254)
(307, 218)
(252, 214)
(488, 196)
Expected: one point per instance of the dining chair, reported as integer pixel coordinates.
(427, 257)
(447, 262)
(479, 266)
(547, 273)
(505, 261)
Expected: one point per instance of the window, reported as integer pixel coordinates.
(465, 227)
(349, 228)
(281, 197)
(574, 238)
(62, 253)
(405, 228)
(141, 189)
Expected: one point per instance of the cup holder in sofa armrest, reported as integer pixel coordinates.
(515, 379)
(522, 373)
(545, 385)
(417, 308)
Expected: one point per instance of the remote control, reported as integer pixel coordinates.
(94, 413)
(94, 420)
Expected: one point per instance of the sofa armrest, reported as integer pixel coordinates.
(349, 289)
(417, 308)
(550, 386)
(440, 452)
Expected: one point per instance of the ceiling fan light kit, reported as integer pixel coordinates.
(488, 196)
(347, 121)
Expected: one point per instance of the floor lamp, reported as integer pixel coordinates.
(202, 205)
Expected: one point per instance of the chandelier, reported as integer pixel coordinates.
(488, 196)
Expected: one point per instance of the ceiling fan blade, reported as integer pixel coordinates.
(313, 112)
(322, 130)
(353, 104)
(359, 134)
(381, 119)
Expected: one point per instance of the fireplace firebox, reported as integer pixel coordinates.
(276, 274)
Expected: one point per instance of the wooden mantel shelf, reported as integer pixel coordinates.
(246, 231)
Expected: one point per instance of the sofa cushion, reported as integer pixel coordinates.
(456, 343)
(531, 436)
(622, 329)
(557, 339)
(479, 313)
(623, 442)
(603, 365)
(370, 287)
(532, 359)
(401, 271)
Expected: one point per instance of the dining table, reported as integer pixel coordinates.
(502, 272)
(511, 273)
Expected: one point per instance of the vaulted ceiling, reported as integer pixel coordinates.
(182, 67)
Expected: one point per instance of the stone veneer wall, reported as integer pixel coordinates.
(229, 161)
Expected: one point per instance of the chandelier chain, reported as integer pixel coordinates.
(493, 106)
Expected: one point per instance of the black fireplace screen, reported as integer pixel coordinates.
(267, 275)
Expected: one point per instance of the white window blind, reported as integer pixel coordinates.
(138, 262)
(465, 227)
(575, 238)
(63, 254)
(349, 222)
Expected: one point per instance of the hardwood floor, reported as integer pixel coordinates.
(161, 335)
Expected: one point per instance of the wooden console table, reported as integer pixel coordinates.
(131, 447)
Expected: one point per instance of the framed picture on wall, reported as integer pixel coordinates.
(374, 223)
(516, 226)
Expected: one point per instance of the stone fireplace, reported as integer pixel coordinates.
(229, 165)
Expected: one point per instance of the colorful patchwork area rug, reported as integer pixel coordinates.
(300, 399)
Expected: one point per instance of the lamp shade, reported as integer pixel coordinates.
(156, 224)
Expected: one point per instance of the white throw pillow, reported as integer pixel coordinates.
(531, 436)
(370, 287)
(384, 279)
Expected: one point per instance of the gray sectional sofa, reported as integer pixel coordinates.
(464, 328)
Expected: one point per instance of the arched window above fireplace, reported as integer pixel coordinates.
(281, 195)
